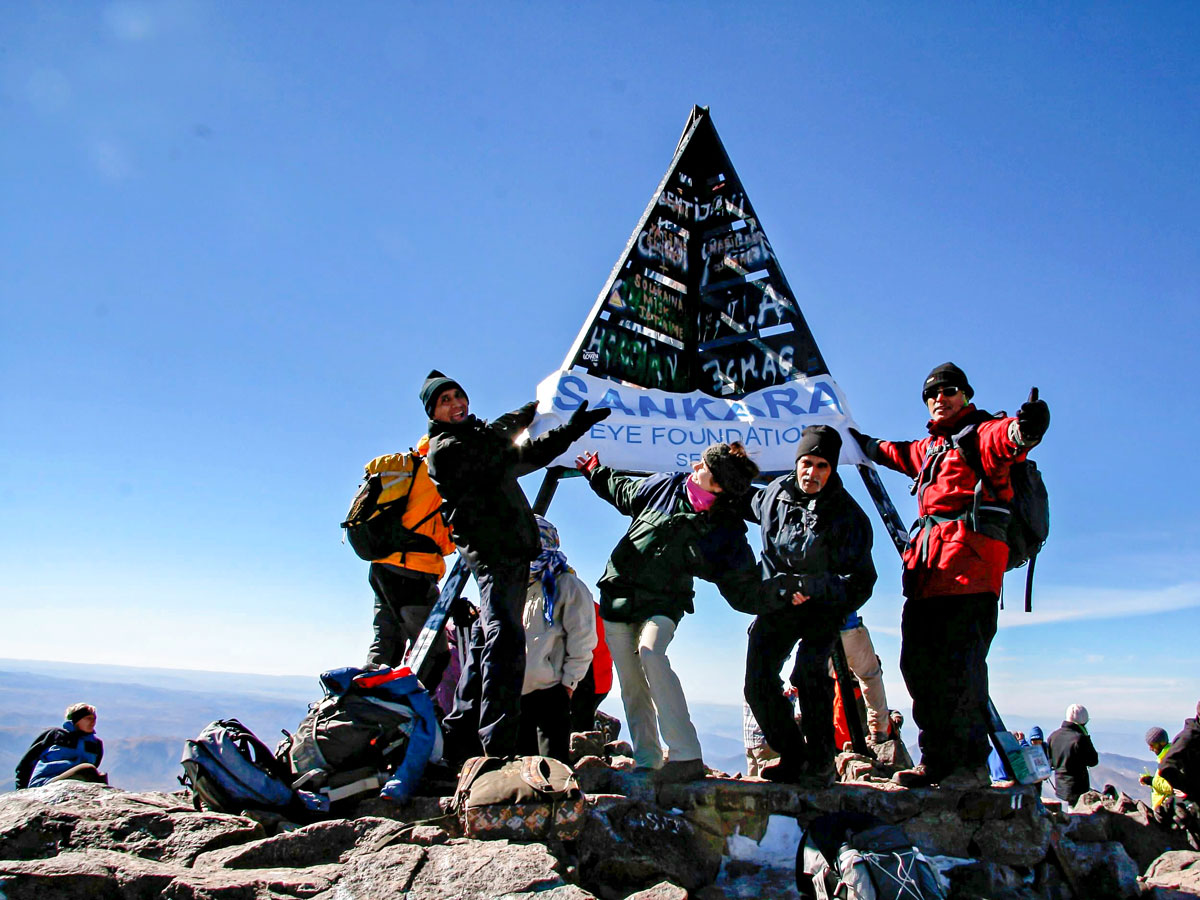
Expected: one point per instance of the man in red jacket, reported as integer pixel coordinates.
(954, 568)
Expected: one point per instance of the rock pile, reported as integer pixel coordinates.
(642, 841)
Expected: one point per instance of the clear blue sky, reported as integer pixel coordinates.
(236, 237)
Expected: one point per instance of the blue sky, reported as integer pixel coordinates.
(236, 237)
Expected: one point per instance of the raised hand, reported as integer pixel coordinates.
(587, 463)
(583, 418)
(1033, 418)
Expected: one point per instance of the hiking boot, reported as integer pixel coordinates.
(784, 772)
(820, 774)
(966, 779)
(916, 777)
(681, 770)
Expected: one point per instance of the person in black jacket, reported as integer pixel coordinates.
(1071, 753)
(475, 466)
(70, 752)
(813, 529)
(1180, 766)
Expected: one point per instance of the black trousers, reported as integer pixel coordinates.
(546, 724)
(772, 638)
(943, 657)
(487, 701)
(584, 703)
(403, 599)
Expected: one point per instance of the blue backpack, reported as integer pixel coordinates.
(230, 770)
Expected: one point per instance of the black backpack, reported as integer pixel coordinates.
(856, 856)
(1028, 523)
(376, 530)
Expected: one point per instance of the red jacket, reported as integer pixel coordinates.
(944, 555)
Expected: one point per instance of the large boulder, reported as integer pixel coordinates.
(317, 844)
(1177, 870)
(629, 845)
(466, 870)
(1098, 870)
(90, 874)
(73, 815)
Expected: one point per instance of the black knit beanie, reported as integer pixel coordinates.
(947, 375)
(732, 469)
(1157, 735)
(77, 711)
(434, 384)
(822, 441)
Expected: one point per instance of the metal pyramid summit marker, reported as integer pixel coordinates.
(698, 301)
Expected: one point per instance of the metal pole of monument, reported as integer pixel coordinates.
(419, 659)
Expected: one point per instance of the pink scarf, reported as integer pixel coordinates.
(698, 496)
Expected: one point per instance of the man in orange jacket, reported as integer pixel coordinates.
(406, 583)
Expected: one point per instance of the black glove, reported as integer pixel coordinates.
(463, 613)
(867, 443)
(583, 419)
(1033, 418)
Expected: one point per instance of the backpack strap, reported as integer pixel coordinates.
(470, 773)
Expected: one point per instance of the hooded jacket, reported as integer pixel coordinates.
(475, 466)
(652, 569)
(945, 554)
(558, 652)
(823, 538)
(1071, 752)
(1180, 765)
(56, 750)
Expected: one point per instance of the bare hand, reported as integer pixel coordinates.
(587, 463)
(570, 692)
(798, 598)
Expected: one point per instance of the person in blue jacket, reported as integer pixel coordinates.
(70, 752)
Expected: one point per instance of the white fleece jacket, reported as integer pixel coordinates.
(558, 653)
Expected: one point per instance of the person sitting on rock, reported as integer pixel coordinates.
(70, 752)
(560, 633)
(684, 526)
(1071, 753)
(1156, 740)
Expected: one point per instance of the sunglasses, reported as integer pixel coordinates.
(946, 391)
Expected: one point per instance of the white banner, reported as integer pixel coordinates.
(657, 431)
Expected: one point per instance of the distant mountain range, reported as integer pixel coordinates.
(145, 715)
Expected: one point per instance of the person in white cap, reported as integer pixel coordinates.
(1071, 753)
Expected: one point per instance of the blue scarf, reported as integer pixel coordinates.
(550, 563)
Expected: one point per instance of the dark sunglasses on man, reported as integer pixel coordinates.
(946, 390)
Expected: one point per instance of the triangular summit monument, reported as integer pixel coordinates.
(696, 337)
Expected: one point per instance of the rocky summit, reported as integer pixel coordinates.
(640, 840)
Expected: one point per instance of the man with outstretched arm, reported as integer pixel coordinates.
(475, 466)
(812, 529)
(954, 568)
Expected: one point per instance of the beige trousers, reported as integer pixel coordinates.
(864, 663)
(651, 692)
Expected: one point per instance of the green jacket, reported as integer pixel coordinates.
(651, 571)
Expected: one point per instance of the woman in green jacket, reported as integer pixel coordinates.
(684, 526)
